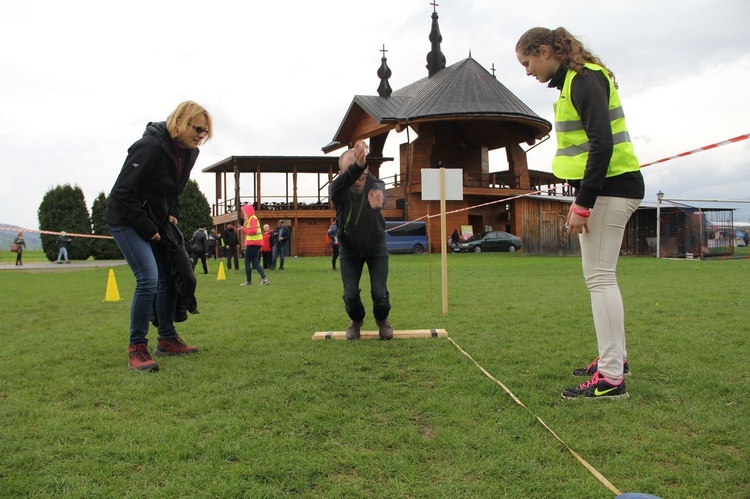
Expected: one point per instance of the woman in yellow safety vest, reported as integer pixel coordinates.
(253, 242)
(595, 156)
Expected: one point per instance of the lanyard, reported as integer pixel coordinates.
(351, 207)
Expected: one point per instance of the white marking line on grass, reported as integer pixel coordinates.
(591, 469)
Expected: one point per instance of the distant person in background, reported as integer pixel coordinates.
(229, 238)
(279, 251)
(200, 247)
(455, 238)
(358, 198)
(595, 156)
(266, 249)
(21, 244)
(214, 241)
(62, 245)
(143, 204)
(333, 241)
(274, 242)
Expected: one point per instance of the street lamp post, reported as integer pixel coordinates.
(659, 197)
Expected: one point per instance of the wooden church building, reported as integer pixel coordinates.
(453, 117)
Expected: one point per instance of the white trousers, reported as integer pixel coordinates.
(600, 249)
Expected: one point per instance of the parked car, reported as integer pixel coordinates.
(494, 240)
(406, 237)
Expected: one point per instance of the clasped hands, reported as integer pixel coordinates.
(375, 196)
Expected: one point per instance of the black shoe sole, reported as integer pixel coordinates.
(160, 353)
(147, 370)
(605, 397)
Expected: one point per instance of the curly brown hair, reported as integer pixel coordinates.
(566, 47)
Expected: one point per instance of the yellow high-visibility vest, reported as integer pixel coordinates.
(573, 143)
(258, 236)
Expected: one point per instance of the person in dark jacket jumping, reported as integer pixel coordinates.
(358, 198)
(143, 201)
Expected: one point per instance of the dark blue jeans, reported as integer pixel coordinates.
(352, 263)
(154, 286)
(279, 251)
(252, 261)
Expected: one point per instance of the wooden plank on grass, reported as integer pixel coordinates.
(373, 335)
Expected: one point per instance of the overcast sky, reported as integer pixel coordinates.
(80, 80)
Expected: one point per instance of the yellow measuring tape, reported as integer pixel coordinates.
(591, 469)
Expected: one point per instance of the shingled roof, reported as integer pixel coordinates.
(464, 90)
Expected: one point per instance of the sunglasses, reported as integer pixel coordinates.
(199, 129)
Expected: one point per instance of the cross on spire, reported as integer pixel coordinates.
(383, 50)
(493, 69)
(434, 6)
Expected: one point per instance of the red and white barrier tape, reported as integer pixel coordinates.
(700, 149)
(54, 233)
(681, 155)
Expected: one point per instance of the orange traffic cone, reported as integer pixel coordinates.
(112, 294)
(221, 276)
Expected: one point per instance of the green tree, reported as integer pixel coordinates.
(64, 208)
(195, 209)
(102, 249)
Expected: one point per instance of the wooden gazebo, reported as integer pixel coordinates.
(460, 113)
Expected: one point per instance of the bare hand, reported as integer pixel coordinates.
(375, 198)
(360, 152)
(172, 219)
(156, 237)
(576, 223)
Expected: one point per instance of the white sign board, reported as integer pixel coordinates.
(454, 184)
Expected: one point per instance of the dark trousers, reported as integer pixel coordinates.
(199, 255)
(231, 252)
(266, 259)
(252, 261)
(334, 255)
(279, 251)
(352, 263)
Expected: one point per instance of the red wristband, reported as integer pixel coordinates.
(585, 213)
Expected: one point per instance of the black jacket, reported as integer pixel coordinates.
(280, 231)
(360, 227)
(146, 192)
(229, 237)
(200, 242)
(181, 266)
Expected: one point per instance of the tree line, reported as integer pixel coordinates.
(63, 208)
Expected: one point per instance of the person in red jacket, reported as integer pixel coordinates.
(266, 249)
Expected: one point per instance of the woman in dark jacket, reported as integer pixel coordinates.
(143, 201)
(21, 243)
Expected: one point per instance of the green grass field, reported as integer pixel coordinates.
(264, 411)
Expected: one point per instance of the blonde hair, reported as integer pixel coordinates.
(178, 120)
(567, 48)
(20, 233)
